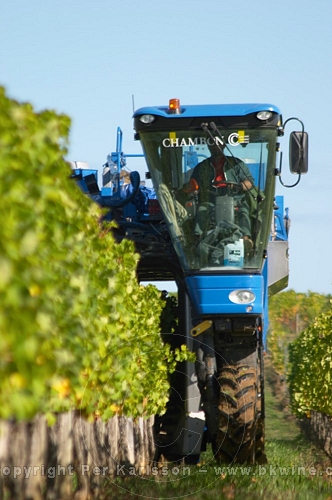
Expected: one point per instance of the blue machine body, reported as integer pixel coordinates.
(213, 224)
(209, 290)
(211, 293)
(208, 110)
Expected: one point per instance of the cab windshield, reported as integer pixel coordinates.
(216, 193)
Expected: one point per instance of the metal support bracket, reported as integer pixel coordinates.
(198, 329)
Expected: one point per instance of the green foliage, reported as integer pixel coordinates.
(289, 314)
(301, 329)
(169, 314)
(311, 368)
(76, 329)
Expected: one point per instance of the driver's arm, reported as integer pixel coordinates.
(246, 179)
(246, 185)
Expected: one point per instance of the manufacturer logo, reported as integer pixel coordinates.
(233, 139)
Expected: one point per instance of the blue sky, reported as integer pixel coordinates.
(87, 60)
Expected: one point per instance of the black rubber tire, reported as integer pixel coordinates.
(240, 436)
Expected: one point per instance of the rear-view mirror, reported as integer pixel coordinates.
(298, 152)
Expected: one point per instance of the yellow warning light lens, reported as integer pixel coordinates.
(174, 104)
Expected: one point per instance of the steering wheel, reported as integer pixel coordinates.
(237, 186)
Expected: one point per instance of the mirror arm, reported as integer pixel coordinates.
(278, 173)
(291, 185)
(294, 118)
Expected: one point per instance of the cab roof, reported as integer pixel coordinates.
(197, 110)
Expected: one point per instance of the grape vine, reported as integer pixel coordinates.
(76, 328)
(311, 368)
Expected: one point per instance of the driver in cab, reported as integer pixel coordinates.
(222, 175)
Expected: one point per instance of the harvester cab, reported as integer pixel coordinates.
(214, 171)
(213, 224)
